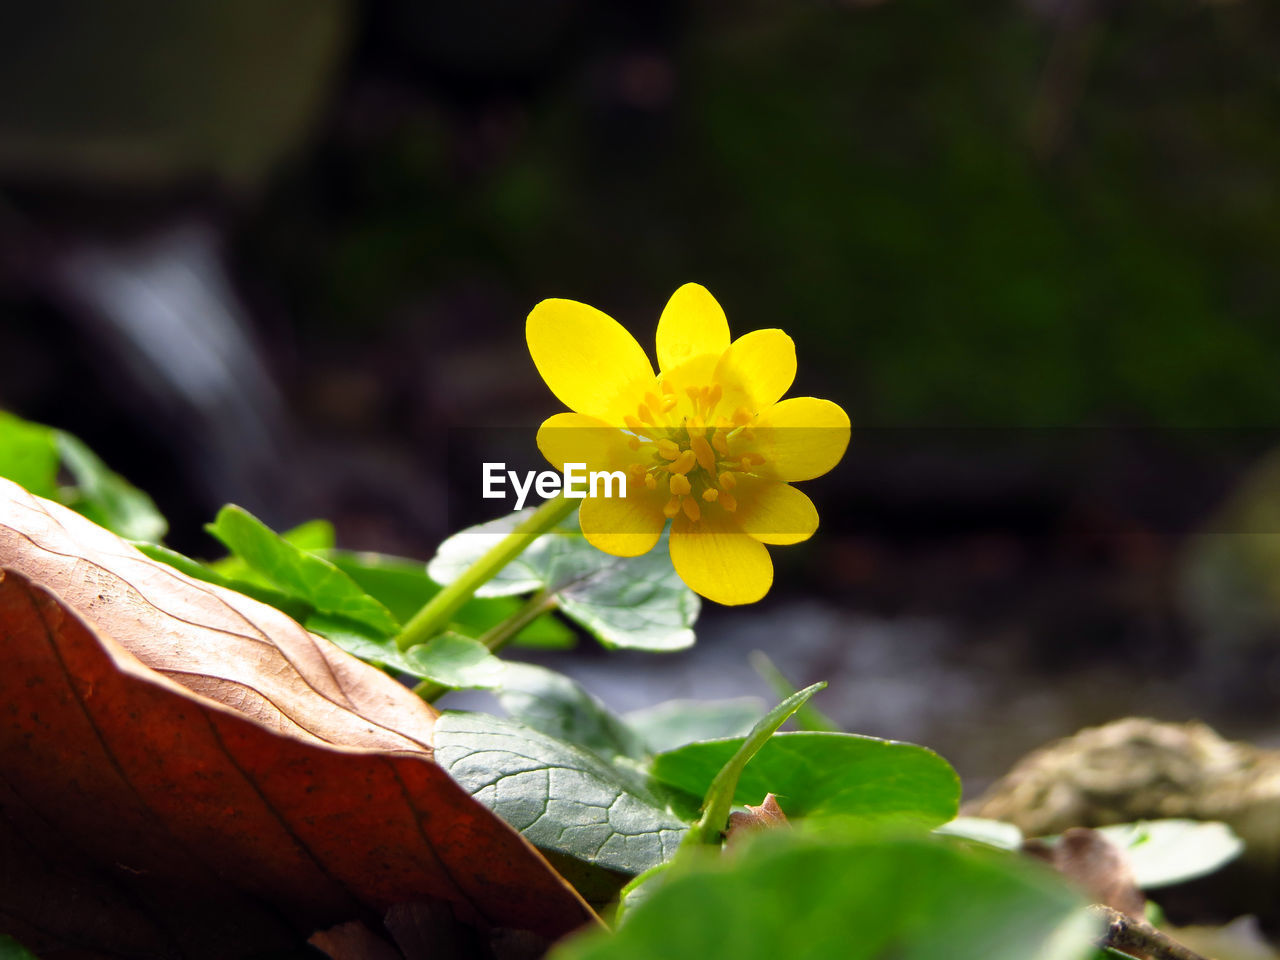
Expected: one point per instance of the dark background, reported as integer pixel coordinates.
(280, 253)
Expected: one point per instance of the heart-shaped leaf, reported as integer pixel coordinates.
(561, 797)
(857, 898)
(1164, 852)
(188, 772)
(638, 603)
(826, 775)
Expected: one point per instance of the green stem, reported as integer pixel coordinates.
(439, 610)
(497, 637)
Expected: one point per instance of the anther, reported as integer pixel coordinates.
(652, 401)
(720, 443)
(741, 417)
(728, 501)
(632, 423)
(680, 484)
(668, 449)
(633, 443)
(643, 413)
(710, 494)
(672, 507)
(728, 480)
(667, 387)
(651, 481)
(684, 463)
(702, 450)
(691, 508)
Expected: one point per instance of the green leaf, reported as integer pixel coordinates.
(561, 797)
(994, 833)
(674, 723)
(818, 897)
(637, 603)
(560, 707)
(827, 775)
(720, 792)
(1165, 852)
(297, 573)
(107, 498)
(402, 586)
(357, 639)
(454, 661)
(29, 455)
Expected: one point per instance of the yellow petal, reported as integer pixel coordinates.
(574, 438)
(762, 364)
(716, 559)
(775, 512)
(801, 438)
(588, 359)
(624, 527)
(692, 324)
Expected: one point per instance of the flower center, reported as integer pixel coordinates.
(690, 449)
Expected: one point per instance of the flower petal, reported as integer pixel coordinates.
(623, 526)
(716, 559)
(587, 358)
(774, 512)
(801, 438)
(692, 324)
(575, 438)
(762, 364)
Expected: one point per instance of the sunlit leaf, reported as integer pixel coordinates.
(1165, 852)
(562, 797)
(827, 775)
(298, 573)
(632, 602)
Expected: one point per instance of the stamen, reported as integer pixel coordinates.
(684, 463)
(680, 484)
(728, 480)
(652, 402)
(728, 501)
(633, 443)
(669, 404)
(667, 449)
(702, 450)
(714, 395)
(632, 423)
(720, 443)
(667, 387)
(651, 481)
(691, 509)
(645, 416)
(672, 507)
(710, 494)
(741, 417)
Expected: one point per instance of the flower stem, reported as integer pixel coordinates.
(497, 637)
(439, 610)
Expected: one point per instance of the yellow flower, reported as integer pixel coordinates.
(708, 442)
